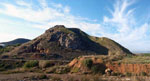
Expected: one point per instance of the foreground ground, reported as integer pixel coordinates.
(67, 77)
(85, 68)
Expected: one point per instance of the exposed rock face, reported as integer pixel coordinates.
(129, 68)
(114, 66)
(62, 43)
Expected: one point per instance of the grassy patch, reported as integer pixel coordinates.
(75, 70)
(30, 64)
(136, 59)
(66, 30)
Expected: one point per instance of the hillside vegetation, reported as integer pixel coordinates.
(7, 48)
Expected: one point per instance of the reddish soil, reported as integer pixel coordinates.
(130, 68)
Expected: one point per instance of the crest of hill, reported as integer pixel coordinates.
(59, 42)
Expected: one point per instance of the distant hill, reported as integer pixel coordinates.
(16, 41)
(9, 46)
(60, 42)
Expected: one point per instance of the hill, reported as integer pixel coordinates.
(16, 41)
(9, 46)
(59, 42)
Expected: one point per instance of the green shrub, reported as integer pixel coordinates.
(30, 64)
(98, 69)
(128, 74)
(87, 62)
(143, 74)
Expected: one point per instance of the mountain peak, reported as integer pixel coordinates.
(59, 26)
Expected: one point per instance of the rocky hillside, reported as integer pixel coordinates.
(59, 42)
(114, 47)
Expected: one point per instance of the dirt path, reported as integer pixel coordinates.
(18, 77)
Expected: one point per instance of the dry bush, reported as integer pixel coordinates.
(45, 64)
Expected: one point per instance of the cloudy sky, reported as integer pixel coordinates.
(125, 21)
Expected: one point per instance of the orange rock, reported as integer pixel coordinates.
(72, 63)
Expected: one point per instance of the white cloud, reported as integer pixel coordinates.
(8, 36)
(121, 18)
(128, 32)
(22, 3)
(30, 14)
(66, 9)
(48, 16)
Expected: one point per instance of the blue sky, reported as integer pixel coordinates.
(125, 21)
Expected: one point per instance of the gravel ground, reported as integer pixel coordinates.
(67, 77)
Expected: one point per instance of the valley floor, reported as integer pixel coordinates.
(67, 77)
(54, 70)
